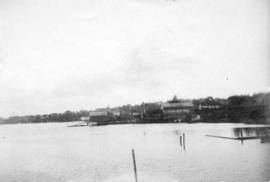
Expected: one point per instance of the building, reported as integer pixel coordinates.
(115, 112)
(171, 111)
(177, 111)
(211, 109)
(148, 107)
(102, 117)
(152, 112)
(210, 104)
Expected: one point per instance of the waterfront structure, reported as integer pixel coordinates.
(177, 111)
(171, 111)
(210, 109)
(210, 104)
(152, 112)
(102, 117)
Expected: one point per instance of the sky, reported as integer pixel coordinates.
(58, 55)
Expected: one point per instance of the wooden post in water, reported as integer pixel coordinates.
(180, 140)
(134, 165)
(241, 135)
(184, 141)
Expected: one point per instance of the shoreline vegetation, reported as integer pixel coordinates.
(250, 109)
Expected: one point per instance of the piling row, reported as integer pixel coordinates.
(183, 141)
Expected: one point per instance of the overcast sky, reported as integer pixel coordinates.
(58, 55)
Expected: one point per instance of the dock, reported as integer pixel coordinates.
(241, 138)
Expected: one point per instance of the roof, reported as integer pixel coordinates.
(175, 105)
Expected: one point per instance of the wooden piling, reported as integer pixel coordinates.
(180, 140)
(184, 141)
(134, 165)
(241, 136)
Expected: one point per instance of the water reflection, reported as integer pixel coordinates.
(262, 133)
(252, 131)
(242, 134)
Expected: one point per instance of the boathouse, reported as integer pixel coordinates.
(177, 111)
(102, 117)
(171, 111)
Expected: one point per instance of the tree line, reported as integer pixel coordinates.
(45, 118)
(238, 108)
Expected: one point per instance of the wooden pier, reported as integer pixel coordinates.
(240, 138)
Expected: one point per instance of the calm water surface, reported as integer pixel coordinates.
(55, 152)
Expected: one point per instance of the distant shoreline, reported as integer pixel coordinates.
(142, 123)
(254, 109)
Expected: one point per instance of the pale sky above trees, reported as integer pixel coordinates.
(58, 55)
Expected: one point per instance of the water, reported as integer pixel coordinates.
(54, 152)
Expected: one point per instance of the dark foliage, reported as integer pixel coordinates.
(240, 108)
(54, 117)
